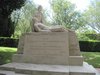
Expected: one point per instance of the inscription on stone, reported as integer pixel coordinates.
(46, 48)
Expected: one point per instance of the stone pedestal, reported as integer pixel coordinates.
(48, 53)
(46, 48)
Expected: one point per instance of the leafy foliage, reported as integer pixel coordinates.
(82, 33)
(65, 14)
(22, 18)
(92, 15)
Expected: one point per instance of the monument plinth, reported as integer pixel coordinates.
(48, 53)
(46, 48)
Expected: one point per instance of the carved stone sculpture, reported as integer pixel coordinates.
(38, 24)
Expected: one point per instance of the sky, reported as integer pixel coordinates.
(80, 4)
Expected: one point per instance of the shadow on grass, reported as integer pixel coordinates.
(5, 57)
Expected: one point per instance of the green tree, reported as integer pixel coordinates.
(82, 33)
(64, 13)
(93, 15)
(22, 18)
(6, 8)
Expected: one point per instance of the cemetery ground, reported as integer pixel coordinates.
(93, 58)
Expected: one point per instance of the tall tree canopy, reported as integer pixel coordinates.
(6, 8)
(92, 15)
(65, 14)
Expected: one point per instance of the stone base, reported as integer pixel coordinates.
(73, 60)
(40, 69)
(86, 69)
(18, 58)
(9, 73)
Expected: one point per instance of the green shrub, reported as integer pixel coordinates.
(8, 42)
(89, 46)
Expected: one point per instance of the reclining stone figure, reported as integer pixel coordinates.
(38, 25)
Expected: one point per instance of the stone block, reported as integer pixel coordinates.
(46, 48)
(48, 53)
(86, 69)
(6, 72)
(42, 69)
(8, 67)
(17, 58)
(76, 60)
(74, 49)
(32, 69)
(2, 72)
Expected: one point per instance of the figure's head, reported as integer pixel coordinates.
(40, 8)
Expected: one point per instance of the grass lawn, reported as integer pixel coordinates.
(7, 49)
(6, 54)
(92, 58)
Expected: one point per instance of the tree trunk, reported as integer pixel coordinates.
(6, 27)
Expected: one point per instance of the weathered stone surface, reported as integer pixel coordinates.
(10, 73)
(46, 48)
(74, 49)
(82, 70)
(48, 53)
(49, 48)
(17, 58)
(21, 44)
(42, 69)
(75, 60)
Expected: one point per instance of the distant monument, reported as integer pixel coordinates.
(47, 51)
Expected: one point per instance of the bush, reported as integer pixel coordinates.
(8, 42)
(89, 46)
(93, 36)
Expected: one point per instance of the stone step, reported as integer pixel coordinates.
(86, 69)
(2, 72)
(8, 67)
(36, 69)
(40, 69)
(6, 72)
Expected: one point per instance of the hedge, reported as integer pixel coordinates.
(8, 42)
(87, 46)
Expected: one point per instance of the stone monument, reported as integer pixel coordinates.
(47, 51)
